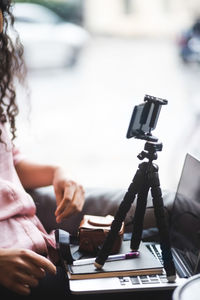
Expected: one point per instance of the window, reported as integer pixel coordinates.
(128, 6)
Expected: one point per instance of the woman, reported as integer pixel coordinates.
(27, 252)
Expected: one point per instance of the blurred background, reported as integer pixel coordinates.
(89, 63)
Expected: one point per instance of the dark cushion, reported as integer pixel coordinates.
(98, 201)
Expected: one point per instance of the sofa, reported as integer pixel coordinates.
(98, 201)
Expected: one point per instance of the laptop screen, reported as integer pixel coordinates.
(185, 219)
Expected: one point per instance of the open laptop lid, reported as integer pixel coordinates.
(185, 220)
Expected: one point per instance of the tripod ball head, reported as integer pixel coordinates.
(150, 152)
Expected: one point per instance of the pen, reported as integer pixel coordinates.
(88, 261)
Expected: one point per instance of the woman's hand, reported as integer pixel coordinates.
(69, 196)
(21, 269)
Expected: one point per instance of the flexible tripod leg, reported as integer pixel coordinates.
(162, 224)
(124, 207)
(138, 219)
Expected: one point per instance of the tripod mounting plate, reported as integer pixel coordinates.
(152, 147)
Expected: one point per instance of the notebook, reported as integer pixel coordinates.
(185, 243)
(144, 263)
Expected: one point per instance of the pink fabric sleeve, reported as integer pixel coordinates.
(17, 155)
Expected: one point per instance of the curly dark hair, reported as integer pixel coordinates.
(12, 67)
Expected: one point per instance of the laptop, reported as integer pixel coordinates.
(185, 242)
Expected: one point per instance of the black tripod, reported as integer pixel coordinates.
(145, 178)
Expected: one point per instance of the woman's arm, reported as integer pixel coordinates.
(34, 175)
(69, 194)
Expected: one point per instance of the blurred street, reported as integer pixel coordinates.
(79, 116)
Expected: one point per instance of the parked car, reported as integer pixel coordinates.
(189, 44)
(48, 40)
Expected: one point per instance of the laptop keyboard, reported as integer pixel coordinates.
(147, 279)
(144, 279)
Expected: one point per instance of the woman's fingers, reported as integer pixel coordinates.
(71, 203)
(21, 269)
(27, 279)
(21, 289)
(40, 263)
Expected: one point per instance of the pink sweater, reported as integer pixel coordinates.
(19, 226)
